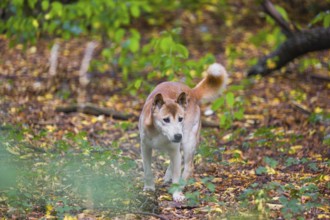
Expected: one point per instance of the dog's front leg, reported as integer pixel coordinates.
(189, 145)
(188, 154)
(175, 157)
(146, 152)
(168, 174)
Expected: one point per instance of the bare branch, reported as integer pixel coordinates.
(53, 59)
(272, 12)
(83, 78)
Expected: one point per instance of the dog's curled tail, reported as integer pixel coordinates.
(213, 84)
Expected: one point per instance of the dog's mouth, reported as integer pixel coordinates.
(176, 141)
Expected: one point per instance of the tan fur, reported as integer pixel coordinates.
(170, 120)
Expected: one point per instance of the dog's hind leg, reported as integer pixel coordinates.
(148, 176)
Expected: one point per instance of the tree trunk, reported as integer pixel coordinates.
(300, 43)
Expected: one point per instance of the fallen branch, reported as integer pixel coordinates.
(209, 124)
(320, 77)
(91, 109)
(301, 108)
(297, 43)
(300, 43)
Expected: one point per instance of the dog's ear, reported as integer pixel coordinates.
(182, 99)
(158, 101)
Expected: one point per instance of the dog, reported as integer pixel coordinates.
(170, 121)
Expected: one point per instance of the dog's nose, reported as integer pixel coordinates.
(177, 137)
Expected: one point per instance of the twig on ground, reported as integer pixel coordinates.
(93, 110)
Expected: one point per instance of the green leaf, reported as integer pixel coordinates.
(326, 20)
(210, 187)
(166, 44)
(135, 11)
(230, 99)
(106, 53)
(261, 170)
(182, 50)
(45, 5)
(239, 114)
(218, 103)
(223, 119)
(138, 83)
(57, 8)
(282, 12)
(32, 3)
(119, 34)
(271, 162)
(134, 44)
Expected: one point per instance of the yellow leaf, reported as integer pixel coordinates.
(165, 197)
(94, 119)
(318, 110)
(126, 202)
(217, 210)
(271, 64)
(254, 117)
(275, 101)
(271, 80)
(50, 128)
(48, 96)
(294, 149)
(217, 180)
(270, 170)
(13, 110)
(35, 23)
(47, 16)
(323, 216)
(198, 185)
(317, 157)
(133, 135)
(68, 217)
(49, 209)
(32, 49)
(227, 137)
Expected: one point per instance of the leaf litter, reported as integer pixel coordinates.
(272, 163)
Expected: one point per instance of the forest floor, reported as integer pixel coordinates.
(274, 162)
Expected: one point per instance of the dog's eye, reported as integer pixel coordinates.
(167, 120)
(180, 119)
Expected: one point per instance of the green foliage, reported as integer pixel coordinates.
(71, 177)
(323, 17)
(98, 18)
(291, 207)
(193, 196)
(231, 107)
(208, 153)
(163, 55)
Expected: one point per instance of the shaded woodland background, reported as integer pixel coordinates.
(74, 76)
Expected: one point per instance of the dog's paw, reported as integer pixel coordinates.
(178, 197)
(149, 188)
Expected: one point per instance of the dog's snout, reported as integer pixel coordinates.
(177, 137)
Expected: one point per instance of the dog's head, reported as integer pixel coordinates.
(168, 116)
